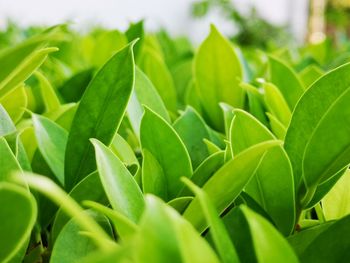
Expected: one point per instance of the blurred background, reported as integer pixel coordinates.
(249, 21)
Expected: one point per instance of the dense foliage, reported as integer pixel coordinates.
(136, 147)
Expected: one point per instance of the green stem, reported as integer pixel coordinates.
(319, 213)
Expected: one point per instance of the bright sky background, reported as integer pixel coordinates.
(172, 14)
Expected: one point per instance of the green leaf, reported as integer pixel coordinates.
(8, 161)
(217, 73)
(24, 70)
(70, 207)
(72, 245)
(122, 190)
(17, 215)
(310, 74)
(15, 102)
(123, 150)
(174, 239)
(336, 204)
(161, 140)
(274, 248)
(154, 67)
(52, 140)
(73, 89)
(300, 241)
(192, 130)
(276, 104)
(273, 177)
(234, 175)
(277, 127)
(122, 225)
(144, 94)
(6, 124)
(331, 245)
(136, 31)
(48, 93)
(323, 114)
(218, 232)
(97, 115)
(90, 188)
(286, 81)
(153, 178)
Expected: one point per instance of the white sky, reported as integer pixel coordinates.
(172, 14)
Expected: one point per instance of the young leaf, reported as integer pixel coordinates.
(274, 175)
(8, 162)
(121, 188)
(217, 73)
(52, 140)
(99, 114)
(286, 80)
(17, 215)
(227, 183)
(161, 140)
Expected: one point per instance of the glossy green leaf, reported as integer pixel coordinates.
(122, 190)
(322, 112)
(218, 232)
(144, 94)
(274, 248)
(273, 177)
(217, 73)
(286, 81)
(97, 115)
(192, 130)
(17, 214)
(161, 140)
(234, 175)
(52, 140)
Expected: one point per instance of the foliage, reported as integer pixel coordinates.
(136, 147)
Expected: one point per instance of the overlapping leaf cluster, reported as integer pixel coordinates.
(149, 151)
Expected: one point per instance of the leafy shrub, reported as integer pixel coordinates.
(149, 151)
